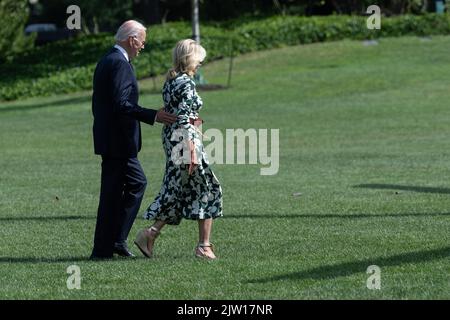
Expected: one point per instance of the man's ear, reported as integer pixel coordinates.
(131, 42)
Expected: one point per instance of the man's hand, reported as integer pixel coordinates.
(164, 117)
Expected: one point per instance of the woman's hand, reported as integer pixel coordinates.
(194, 161)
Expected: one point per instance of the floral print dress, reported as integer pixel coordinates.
(195, 196)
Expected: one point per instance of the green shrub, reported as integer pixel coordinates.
(68, 66)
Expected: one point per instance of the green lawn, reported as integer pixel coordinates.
(364, 137)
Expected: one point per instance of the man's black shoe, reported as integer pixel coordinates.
(123, 251)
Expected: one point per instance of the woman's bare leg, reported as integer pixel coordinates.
(204, 233)
(153, 232)
(204, 230)
(159, 224)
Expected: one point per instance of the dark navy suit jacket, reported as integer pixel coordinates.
(117, 115)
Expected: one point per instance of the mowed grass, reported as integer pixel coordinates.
(363, 180)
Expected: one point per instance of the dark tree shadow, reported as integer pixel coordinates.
(349, 268)
(44, 260)
(335, 216)
(251, 216)
(405, 188)
(62, 259)
(47, 218)
(57, 103)
(74, 259)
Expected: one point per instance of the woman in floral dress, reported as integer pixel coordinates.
(190, 189)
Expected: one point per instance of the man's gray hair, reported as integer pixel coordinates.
(130, 28)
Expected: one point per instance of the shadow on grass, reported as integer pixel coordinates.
(349, 268)
(63, 259)
(335, 216)
(240, 216)
(43, 260)
(48, 218)
(57, 103)
(405, 188)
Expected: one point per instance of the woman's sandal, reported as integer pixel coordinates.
(143, 238)
(201, 253)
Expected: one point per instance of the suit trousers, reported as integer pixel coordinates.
(123, 185)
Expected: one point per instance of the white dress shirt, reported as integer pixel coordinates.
(124, 52)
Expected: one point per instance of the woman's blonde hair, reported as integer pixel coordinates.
(186, 55)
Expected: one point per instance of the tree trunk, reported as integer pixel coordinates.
(96, 26)
(195, 21)
(85, 27)
(277, 5)
(425, 6)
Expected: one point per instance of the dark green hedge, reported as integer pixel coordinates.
(67, 66)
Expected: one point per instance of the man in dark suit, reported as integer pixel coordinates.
(117, 138)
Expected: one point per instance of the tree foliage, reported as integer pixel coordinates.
(13, 17)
